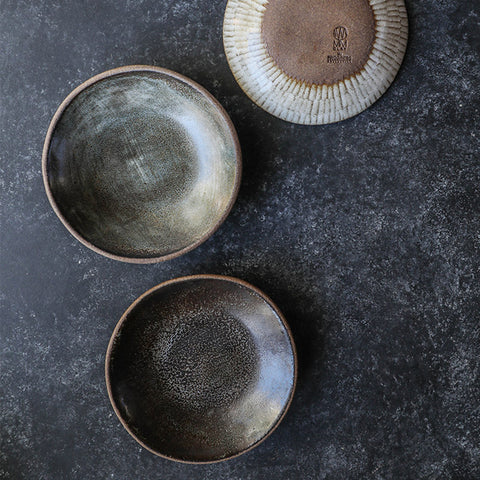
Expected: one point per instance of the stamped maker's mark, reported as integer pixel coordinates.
(340, 40)
(340, 45)
(319, 42)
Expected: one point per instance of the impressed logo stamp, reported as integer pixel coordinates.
(340, 45)
(340, 41)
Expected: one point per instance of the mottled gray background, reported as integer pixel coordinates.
(366, 233)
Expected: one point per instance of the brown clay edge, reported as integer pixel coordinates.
(119, 71)
(202, 277)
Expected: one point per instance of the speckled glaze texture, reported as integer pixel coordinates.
(313, 61)
(141, 164)
(201, 369)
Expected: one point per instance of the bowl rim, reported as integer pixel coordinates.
(188, 278)
(125, 70)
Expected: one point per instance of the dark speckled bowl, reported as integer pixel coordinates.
(141, 164)
(201, 369)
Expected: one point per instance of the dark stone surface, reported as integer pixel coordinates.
(365, 233)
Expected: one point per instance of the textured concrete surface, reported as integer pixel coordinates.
(366, 234)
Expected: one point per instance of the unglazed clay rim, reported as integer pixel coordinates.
(237, 281)
(298, 101)
(177, 76)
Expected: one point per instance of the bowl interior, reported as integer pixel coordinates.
(201, 370)
(142, 164)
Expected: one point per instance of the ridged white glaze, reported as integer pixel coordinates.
(297, 101)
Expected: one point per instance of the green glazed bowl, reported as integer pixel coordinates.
(141, 164)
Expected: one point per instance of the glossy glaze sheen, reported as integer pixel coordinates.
(141, 164)
(201, 369)
(315, 85)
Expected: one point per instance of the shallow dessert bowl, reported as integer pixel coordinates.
(315, 61)
(141, 164)
(201, 369)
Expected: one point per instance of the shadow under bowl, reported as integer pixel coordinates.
(141, 164)
(201, 369)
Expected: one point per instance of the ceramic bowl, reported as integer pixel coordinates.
(201, 369)
(141, 164)
(315, 61)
